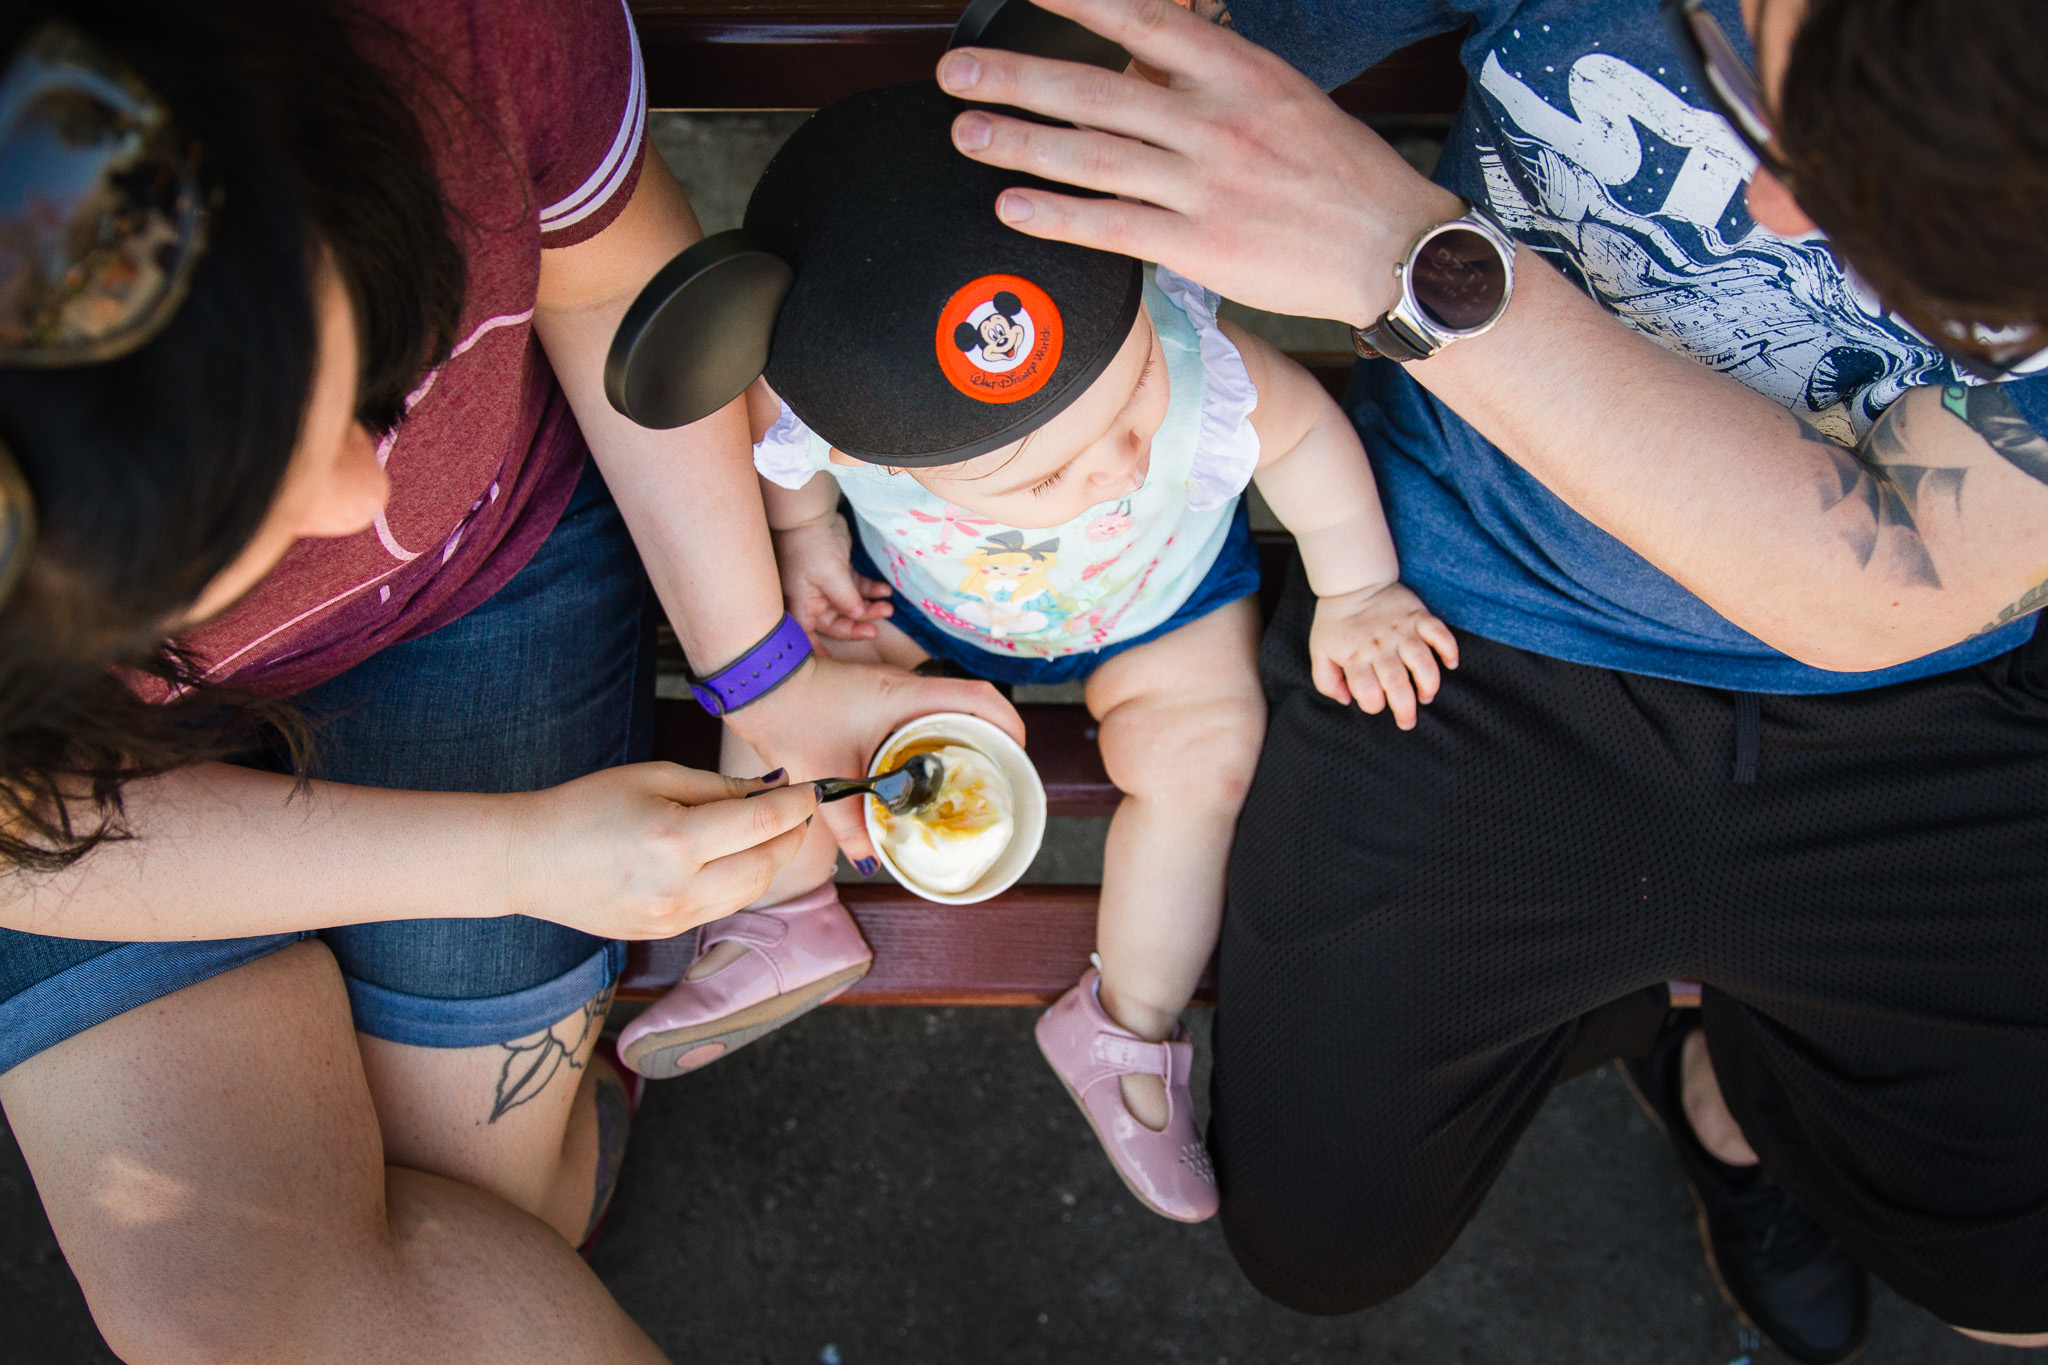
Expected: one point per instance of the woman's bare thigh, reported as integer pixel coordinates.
(219, 1135)
(213, 1168)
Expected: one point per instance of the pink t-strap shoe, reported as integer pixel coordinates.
(1168, 1170)
(800, 954)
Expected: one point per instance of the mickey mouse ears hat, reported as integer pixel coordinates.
(886, 303)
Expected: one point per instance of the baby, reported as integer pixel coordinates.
(1044, 460)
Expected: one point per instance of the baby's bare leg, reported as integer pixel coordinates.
(1182, 721)
(813, 864)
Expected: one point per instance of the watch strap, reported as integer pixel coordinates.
(1389, 339)
(757, 672)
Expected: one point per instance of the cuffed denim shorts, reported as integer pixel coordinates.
(550, 679)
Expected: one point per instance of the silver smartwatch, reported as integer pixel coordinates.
(1455, 283)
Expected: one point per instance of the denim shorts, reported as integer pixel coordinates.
(1234, 573)
(551, 678)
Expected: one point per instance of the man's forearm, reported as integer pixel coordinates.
(1713, 483)
(227, 852)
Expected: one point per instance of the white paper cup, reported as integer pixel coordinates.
(1027, 817)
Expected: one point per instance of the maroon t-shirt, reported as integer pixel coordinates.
(541, 149)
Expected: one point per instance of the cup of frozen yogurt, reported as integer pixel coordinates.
(984, 828)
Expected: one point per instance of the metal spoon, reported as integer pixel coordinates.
(913, 786)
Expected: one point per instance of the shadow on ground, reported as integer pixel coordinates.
(912, 1187)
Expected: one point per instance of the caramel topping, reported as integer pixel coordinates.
(961, 810)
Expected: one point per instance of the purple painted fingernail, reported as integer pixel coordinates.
(817, 791)
(971, 132)
(867, 867)
(775, 776)
(959, 71)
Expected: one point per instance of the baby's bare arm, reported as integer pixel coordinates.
(819, 586)
(792, 508)
(1314, 475)
(787, 508)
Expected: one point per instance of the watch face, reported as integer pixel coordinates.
(1459, 279)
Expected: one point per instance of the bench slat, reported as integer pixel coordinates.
(1024, 947)
(788, 54)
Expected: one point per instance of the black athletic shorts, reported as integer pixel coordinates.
(1418, 922)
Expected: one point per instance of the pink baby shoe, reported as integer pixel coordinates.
(799, 954)
(1169, 1170)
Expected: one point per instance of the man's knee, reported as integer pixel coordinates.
(1353, 1265)
(1327, 1230)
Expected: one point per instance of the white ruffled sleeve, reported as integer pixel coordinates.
(1227, 453)
(783, 455)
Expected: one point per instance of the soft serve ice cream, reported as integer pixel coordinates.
(947, 845)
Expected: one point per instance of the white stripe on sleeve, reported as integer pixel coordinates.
(594, 193)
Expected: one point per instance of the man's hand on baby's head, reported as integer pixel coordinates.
(1379, 648)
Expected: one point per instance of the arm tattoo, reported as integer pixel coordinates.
(532, 1062)
(2032, 600)
(1989, 412)
(1215, 11)
(1874, 496)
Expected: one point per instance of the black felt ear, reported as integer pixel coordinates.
(1020, 26)
(1008, 304)
(699, 332)
(965, 337)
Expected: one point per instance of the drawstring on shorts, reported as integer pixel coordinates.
(1749, 725)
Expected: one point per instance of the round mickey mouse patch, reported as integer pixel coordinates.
(999, 339)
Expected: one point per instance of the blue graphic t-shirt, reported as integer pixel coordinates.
(1582, 132)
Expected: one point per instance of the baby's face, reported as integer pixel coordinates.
(1096, 451)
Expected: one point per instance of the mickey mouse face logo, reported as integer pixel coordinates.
(999, 339)
(997, 334)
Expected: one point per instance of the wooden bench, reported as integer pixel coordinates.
(1029, 944)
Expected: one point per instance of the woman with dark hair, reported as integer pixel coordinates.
(317, 615)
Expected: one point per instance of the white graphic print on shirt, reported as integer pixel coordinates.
(1662, 234)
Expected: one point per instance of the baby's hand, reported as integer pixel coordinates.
(820, 587)
(1365, 646)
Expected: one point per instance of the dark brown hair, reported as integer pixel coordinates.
(1916, 133)
(152, 472)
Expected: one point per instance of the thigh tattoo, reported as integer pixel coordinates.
(531, 1063)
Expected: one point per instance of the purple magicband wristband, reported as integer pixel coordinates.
(757, 672)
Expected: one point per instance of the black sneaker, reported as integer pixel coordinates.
(1785, 1276)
